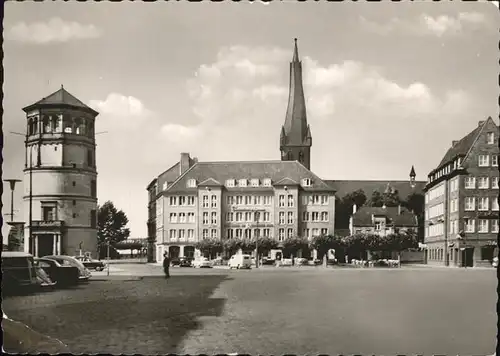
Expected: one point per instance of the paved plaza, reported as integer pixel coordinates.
(271, 311)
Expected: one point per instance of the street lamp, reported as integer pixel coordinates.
(12, 183)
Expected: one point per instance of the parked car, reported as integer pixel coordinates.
(44, 281)
(19, 272)
(202, 262)
(63, 275)
(185, 262)
(90, 263)
(239, 261)
(176, 261)
(267, 261)
(84, 273)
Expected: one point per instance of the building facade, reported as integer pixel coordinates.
(382, 221)
(60, 177)
(461, 201)
(244, 200)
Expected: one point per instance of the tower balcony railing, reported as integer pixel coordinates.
(47, 223)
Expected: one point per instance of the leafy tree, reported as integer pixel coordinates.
(266, 244)
(415, 202)
(343, 207)
(209, 246)
(231, 246)
(293, 244)
(111, 224)
(376, 200)
(14, 238)
(358, 244)
(323, 243)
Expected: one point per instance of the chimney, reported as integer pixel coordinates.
(453, 143)
(354, 209)
(480, 123)
(184, 163)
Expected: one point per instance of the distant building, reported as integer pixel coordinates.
(382, 221)
(61, 166)
(461, 201)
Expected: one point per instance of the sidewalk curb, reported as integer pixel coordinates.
(124, 278)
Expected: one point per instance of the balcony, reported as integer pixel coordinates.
(47, 224)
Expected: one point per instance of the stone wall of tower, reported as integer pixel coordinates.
(63, 175)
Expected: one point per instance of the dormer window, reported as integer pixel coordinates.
(242, 183)
(267, 182)
(191, 183)
(254, 182)
(490, 138)
(230, 183)
(306, 182)
(165, 185)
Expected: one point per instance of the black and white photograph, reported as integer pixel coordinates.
(250, 177)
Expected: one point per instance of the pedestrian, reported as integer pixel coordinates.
(166, 265)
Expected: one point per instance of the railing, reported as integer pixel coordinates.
(47, 223)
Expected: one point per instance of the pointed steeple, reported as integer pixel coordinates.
(412, 172)
(295, 137)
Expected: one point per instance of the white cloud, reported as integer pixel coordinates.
(120, 105)
(237, 109)
(54, 30)
(426, 25)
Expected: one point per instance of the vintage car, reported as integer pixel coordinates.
(202, 262)
(18, 272)
(84, 273)
(63, 275)
(90, 263)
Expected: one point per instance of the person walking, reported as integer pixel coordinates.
(166, 265)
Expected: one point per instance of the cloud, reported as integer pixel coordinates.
(120, 105)
(426, 25)
(54, 30)
(239, 106)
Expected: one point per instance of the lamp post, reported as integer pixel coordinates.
(12, 183)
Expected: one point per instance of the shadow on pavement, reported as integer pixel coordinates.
(149, 316)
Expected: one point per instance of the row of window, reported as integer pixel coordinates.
(435, 210)
(248, 216)
(182, 200)
(435, 193)
(315, 216)
(250, 200)
(60, 123)
(483, 203)
(483, 161)
(248, 233)
(482, 182)
(308, 233)
(182, 234)
(244, 233)
(483, 226)
(182, 218)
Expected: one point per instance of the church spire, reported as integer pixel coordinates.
(295, 139)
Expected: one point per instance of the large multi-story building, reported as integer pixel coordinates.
(60, 196)
(225, 200)
(461, 201)
(306, 218)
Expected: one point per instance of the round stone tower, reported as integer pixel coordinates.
(60, 175)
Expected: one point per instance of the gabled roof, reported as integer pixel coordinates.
(222, 171)
(60, 98)
(462, 147)
(210, 182)
(363, 217)
(286, 181)
(404, 188)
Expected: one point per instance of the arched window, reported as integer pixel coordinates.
(35, 125)
(30, 126)
(78, 126)
(54, 123)
(46, 124)
(82, 128)
(90, 128)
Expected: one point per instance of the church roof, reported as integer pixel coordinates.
(295, 129)
(396, 217)
(223, 170)
(404, 188)
(61, 98)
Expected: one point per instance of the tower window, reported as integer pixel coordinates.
(74, 184)
(55, 148)
(74, 215)
(93, 189)
(90, 161)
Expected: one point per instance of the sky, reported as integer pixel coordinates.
(387, 85)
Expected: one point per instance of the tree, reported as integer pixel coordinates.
(389, 198)
(266, 244)
(343, 207)
(209, 246)
(111, 224)
(293, 244)
(231, 246)
(376, 199)
(323, 243)
(416, 203)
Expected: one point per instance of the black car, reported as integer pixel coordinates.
(176, 261)
(267, 261)
(185, 262)
(62, 275)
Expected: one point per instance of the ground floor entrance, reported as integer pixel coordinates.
(47, 244)
(174, 251)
